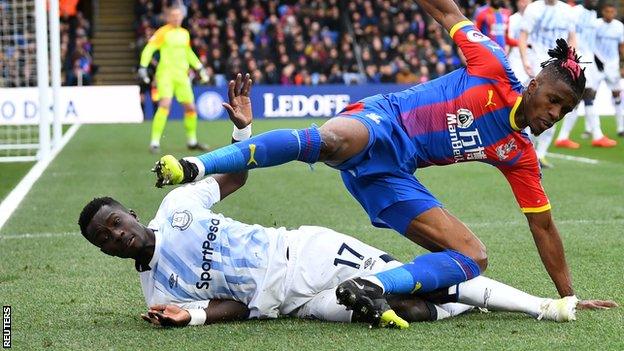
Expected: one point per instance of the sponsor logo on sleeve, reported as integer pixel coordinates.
(503, 151)
(476, 36)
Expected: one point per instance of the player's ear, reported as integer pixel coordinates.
(532, 87)
(133, 214)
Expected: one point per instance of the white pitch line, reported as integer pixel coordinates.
(15, 197)
(590, 161)
(476, 224)
(37, 236)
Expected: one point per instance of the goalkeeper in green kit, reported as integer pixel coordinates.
(176, 55)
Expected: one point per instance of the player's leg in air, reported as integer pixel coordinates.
(377, 162)
(184, 95)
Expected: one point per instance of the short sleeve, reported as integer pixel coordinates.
(204, 193)
(484, 58)
(525, 180)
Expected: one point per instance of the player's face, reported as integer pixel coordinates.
(175, 17)
(548, 101)
(608, 13)
(117, 232)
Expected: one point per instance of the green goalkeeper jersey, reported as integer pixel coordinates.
(176, 53)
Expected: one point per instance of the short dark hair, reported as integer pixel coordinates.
(91, 209)
(608, 4)
(564, 64)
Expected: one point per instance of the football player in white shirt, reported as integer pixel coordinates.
(513, 32)
(200, 267)
(544, 21)
(586, 26)
(609, 48)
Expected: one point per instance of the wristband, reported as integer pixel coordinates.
(241, 134)
(198, 316)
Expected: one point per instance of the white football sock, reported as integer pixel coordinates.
(587, 124)
(568, 123)
(543, 142)
(619, 116)
(451, 309)
(593, 120)
(487, 293)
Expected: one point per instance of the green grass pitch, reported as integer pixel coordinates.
(65, 294)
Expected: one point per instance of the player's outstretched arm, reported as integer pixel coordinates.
(444, 12)
(189, 169)
(550, 248)
(218, 311)
(240, 113)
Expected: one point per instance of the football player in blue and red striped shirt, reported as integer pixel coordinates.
(475, 113)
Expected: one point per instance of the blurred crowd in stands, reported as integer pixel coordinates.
(303, 42)
(18, 45)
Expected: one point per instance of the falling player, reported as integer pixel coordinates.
(543, 22)
(472, 114)
(197, 266)
(176, 55)
(586, 25)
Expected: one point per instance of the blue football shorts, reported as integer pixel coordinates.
(381, 177)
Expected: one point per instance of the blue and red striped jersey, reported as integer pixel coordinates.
(493, 23)
(468, 115)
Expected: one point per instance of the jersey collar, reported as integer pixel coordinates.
(152, 263)
(512, 114)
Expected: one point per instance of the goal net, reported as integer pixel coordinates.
(19, 141)
(24, 77)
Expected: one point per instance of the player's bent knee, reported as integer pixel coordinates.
(342, 139)
(481, 259)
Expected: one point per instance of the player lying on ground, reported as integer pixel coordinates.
(197, 266)
(475, 113)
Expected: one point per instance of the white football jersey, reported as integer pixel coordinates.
(547, 23)
(586, 25)
(608, 38)
(201, 255)
(515, 61)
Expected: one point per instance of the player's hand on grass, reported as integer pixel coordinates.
(596, 304)
(167, 316)
(143, 75)
(239, 108)
(170, 171)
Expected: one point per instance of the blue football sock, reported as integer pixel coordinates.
(429, 272)
(265, 150)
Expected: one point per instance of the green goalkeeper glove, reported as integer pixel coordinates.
(170, 171)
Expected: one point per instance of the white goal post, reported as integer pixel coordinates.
(26, 62)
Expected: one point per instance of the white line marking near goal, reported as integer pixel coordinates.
(15, 197)
(590, 161)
